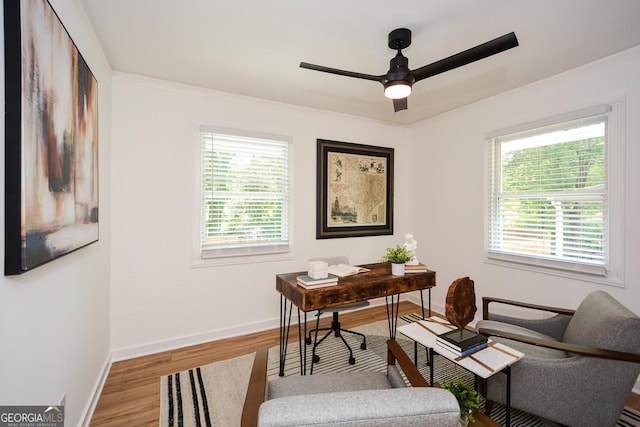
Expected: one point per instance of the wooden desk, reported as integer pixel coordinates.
(376, 283)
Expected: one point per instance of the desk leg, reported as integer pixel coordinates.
(285, 325)
(422, 302)
(392, 314)
(423, 317)
(315, 341)
(301, 343)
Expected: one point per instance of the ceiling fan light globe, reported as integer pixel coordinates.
(397, 90)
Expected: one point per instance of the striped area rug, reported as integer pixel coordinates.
(213, 395)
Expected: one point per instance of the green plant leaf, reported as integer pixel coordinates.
(468, 398)
(397, 255)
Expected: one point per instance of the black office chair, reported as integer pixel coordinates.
(335, 327)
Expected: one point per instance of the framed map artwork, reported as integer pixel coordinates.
(354, 190)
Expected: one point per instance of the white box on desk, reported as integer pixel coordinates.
(318, 270)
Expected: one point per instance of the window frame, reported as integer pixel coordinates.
(614, 250)
(202, 257)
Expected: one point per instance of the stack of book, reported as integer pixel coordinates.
(309, 282)
(418, 268)
(462, 341)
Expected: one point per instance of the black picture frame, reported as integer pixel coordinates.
(51, 139)
(354, 190)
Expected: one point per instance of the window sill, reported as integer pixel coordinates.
(608, 280)
(237, 260)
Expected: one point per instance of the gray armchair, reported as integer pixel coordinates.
(348, 398)
(579, 366)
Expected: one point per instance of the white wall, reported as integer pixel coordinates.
(54, 320)
(136, 291)
(158, 299)
(451, 147)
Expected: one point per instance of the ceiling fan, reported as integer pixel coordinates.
(400, 78)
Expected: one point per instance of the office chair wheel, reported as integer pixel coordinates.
(363, 346)
(352, 361)
(316, 358)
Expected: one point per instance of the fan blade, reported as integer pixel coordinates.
(468, 56)
(339, 72)
(399, 104)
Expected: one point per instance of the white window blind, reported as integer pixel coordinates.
(245, 195)
(548, 201)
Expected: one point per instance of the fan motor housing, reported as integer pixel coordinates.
(399, 70)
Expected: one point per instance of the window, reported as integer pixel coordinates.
(245, 194)
(550, 194)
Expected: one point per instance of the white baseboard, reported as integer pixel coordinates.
(95, 395)
(205, 337)
(189, 340)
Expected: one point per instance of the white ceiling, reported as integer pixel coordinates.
(254, 47)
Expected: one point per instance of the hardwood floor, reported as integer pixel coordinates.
(131, 395)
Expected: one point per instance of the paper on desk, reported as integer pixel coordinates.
(343, 270)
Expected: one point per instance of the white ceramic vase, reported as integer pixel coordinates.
(397, 269)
